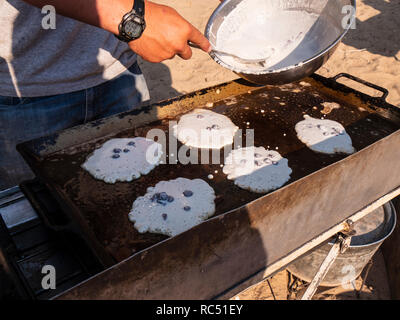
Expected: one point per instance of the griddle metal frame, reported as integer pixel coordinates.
(259, 238)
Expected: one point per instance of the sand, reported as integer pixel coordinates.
(370, 52)
(376, 287)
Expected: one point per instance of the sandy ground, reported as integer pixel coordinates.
(376, 287)
(371, 52)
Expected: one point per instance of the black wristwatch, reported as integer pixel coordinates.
(132, 24)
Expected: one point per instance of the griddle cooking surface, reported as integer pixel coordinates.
(105, 207)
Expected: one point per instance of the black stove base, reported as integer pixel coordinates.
(26, 247)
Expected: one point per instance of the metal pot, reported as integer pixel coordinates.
(371, 231)
(315, 49)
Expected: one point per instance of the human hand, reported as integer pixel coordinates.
(167, 34)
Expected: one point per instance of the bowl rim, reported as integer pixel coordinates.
(275, 71)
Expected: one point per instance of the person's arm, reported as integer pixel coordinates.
(166, 34)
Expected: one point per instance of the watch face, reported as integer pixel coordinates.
(133, 29)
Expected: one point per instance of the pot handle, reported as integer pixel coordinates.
(366, 83)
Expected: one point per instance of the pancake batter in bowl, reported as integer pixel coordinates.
(253, 31)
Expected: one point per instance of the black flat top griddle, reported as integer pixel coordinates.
(102, 209)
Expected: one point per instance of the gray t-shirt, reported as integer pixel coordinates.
(38, 62)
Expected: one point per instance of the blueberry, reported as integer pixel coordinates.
(337, 131)
(126, 150)
(275, 163)
(115, 156)
(131, 143)
(199, 116)
(187, 208)
(215, 127)
(163, 196)
(117, 150)
(164, 216)
(187, 193)
(159, 201)
(267, 161)
(209, 128)
(170, 199)
(257, 155)
(257, 163)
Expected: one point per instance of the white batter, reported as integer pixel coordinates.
(205, 129)
(253, 31)
(172, 207)
(123, 159)
(324, 136)
(257, 169)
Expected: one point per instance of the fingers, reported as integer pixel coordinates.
(186, 53)
(198, 38)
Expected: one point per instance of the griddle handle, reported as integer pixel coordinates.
(366, 83)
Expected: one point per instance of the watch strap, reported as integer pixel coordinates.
(138, 6)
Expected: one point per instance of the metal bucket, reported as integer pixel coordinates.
(372, 230)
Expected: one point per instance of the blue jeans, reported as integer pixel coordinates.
(23, 119)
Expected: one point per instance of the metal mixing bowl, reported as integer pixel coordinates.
(319, 43)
